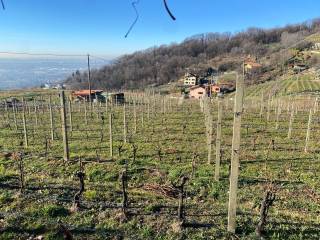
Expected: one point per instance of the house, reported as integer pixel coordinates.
(190, 80)
(298, 63)
(198, 92)
(297, 68)
(222, 88)
(10, 102)
(47, 86)
(116, 98)
(315, 41)
(316, 46)
(251, 65)
(215, 89)
(59, 86)
(203, 81)
(84, 95)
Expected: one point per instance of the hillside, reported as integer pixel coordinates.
(307, 83)
(223, 51)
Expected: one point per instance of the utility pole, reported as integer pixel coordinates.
(89, 80)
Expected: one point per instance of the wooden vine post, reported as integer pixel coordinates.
(268, 108)
(209, 137)
(234, 173)
(110, 135)
(66, 155)
(51, 119)
(261, 105)
(291, 122)
(35, 112)
(24, 122)
(148, 114)
(193, 164)
(70, 115)
(6, 109)
(14, 108)
(106, 105)
(218, 141)
(278, 115)
(135, 116)
(85, 113)
(308, 131)
(124, 124)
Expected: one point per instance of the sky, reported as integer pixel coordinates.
(98, 27)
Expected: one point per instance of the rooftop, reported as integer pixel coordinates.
(86, 92)
(197, 86)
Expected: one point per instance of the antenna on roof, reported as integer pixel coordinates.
(3, 7)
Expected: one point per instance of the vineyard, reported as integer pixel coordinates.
(288, 85)
(158, 167)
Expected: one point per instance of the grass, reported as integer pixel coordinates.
(51, 183)
(300, 84)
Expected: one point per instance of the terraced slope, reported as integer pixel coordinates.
(300, 84)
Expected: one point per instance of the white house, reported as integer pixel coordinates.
(190, 80)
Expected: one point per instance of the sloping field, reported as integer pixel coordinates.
(159, 141)
(300, 84)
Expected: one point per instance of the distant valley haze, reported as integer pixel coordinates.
(33, 72)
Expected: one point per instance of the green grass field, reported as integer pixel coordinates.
(300, 84)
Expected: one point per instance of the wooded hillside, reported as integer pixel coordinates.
(223, 51)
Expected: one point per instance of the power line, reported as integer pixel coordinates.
(100, 58)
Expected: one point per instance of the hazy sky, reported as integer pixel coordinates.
(99, 26)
